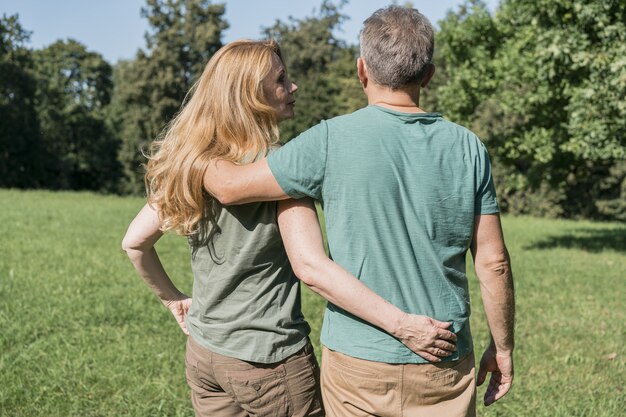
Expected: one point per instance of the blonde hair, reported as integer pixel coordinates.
(224, 116)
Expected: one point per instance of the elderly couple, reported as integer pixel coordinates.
(405, 194)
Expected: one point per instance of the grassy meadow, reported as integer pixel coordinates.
(81, 335)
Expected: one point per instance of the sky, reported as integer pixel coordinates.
(115, 28)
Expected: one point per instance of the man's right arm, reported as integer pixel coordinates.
(297, 170)
(493, 268)
(238, 184)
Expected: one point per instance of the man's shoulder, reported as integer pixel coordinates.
(457, 129)
(341, 122)
(458, 134)
(374, 115)
(348, 118)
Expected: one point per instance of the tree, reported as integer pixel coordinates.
(464, 74)
(73, 89)
(543, 83)
(149, 90)
(21, 153)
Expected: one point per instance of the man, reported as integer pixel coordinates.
(405, 194)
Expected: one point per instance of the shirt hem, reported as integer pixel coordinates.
(279, 356)
(397, 360)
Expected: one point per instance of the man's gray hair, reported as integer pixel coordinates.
(397, 44)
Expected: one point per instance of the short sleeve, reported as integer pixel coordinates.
(485, 201)
(300, 165)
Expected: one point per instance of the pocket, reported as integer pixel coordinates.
(191, 367)
(302, 362)
(302, 379)
(260, 392)
(361, 376)
(198, 367)
(449, 375)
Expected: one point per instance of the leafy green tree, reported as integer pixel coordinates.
(346, 92)
(323, 67)
(543, 82)
(465, 48)
(149, 90)
(73, 89)
(21, 153)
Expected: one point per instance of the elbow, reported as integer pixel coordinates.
(221, 196)
(130, 244)
(495, 262)
(497, 267)
(221, 193)
(225, 199)
(305, 270)
(127, 244)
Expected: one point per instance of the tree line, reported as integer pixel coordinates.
(543, 83)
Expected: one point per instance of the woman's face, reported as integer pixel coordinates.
(279, 89)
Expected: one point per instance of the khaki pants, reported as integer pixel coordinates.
(226, 387)
(356, 387)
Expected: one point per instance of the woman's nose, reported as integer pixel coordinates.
(294, 87)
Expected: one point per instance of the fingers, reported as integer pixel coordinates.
(441, 348)
(442, 331)
(428, 337)
(442, 344)
(440, 324)
(441, 353)
(429, 357)
(437, 348)
(432, 354)
(482, 374)
(180, 310)
(446, 335)
(499, 383)
(181, 322)
(496, 390)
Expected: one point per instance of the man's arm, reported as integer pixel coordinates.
(301, 234)
(493, 268)
(238, 184)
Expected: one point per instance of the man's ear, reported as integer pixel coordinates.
(361, 69)
(428, 76)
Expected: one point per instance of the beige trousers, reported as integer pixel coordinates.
(356, 387)
(227, 387)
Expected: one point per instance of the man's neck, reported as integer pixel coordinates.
(405, 100)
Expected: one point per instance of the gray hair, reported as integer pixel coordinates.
(397, 44)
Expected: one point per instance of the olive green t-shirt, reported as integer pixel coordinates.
(246, 299)
(400, 192)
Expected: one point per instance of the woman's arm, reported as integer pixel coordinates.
(301, 234)
(139, 241)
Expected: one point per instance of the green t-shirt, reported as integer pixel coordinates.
(400, 192)
(246, 299)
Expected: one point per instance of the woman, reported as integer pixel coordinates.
(248, 352)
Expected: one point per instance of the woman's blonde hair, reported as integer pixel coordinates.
(224, 116)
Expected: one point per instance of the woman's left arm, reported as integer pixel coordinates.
(302, 237)
(141, 236)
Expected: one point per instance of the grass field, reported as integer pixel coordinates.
(81, 335)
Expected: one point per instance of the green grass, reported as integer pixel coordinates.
(81, 335)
